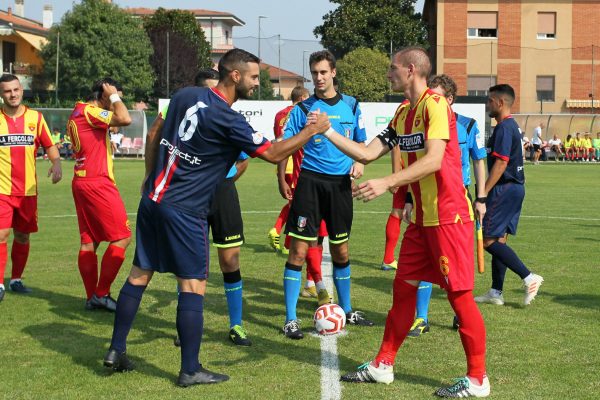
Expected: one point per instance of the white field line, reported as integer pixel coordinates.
(330, 370)
(364, 212)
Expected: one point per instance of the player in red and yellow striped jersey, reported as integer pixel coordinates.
(22, 131)
(100, 210)
(438, 244)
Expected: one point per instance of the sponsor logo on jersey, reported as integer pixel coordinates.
(174, 150)
(227, 238)
(17, 139)
(104, 114)
(411, 143)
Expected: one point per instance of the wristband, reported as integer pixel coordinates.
(114, 98)
(328, 132)
(481, 200)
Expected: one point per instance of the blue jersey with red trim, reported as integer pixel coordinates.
(201, 139)
(505, 144)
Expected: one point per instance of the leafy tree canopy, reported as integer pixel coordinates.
(188, 49)
(363, 74)
(372, 24)
(98, 39)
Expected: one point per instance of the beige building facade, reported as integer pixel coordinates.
(549, 51)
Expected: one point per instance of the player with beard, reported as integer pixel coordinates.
(201, 138)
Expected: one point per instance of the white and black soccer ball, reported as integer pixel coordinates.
(329, 319)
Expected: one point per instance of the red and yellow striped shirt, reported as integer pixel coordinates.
(20, 138)
(88, 129)
(439, 198)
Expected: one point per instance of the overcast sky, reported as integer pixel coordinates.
(293, 20)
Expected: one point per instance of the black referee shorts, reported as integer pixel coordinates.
(225, 217)
(321, 197)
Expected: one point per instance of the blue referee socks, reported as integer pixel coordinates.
(292, 281)
(341, 279)
(423, 299)
(232, 282)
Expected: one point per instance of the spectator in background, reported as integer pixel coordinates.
(526, 144)
(536, 140)
(555, 145)
(570, 148)
(116, 136)
(596, 146)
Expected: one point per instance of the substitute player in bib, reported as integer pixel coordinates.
(22, 132)
(201, 139)
(100, 210)
(472, 147)
(505, 188)
(438, 244)
(323, 191)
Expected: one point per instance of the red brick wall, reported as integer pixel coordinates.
(458, 72)
(509, 29)
(455, 29)
(586, 29)
(581, 81)
(511, 74)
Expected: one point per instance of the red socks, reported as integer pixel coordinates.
(18, 255)
(88, 268)
(314, 257)
(111, 264)
(472, 331)
(282, 218)
(392, 233)
(398, 322)
(3, 259)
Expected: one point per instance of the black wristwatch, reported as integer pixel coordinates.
(481, 200)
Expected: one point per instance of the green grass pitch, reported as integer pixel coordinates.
(52, 348)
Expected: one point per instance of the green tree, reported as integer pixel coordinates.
(362, 74)
(372, 24)
(266, 87)
(98, 39)
(189, 51)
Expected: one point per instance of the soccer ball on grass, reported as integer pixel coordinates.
(329, 319)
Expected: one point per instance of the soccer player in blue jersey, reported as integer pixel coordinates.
(472, 147)
(324, 190)
(505, 188)
(201, 139)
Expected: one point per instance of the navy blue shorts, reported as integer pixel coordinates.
(503, 206)
(170, 240)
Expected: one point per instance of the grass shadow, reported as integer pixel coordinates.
(72, 341)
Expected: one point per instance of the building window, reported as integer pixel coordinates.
(8, 55)
(226, 37)
(482, 25)
(478, 85)
(546, 25)
(544, 86)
